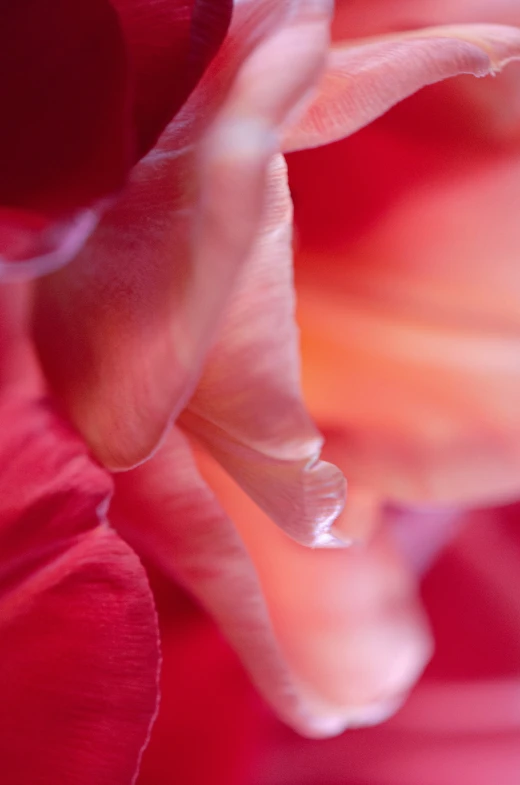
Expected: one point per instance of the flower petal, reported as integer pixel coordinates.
(461, 724)
(77, 97)
(166, 510)
(365, 78)
(65, 138)
(323, 634)
(348, 621)
(207, 701)
(79, 634)
(247, 408)
(123, 330)
(171, 43)
(407, 278)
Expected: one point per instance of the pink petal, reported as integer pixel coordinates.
(365, 78)
(247, 409)
(323, 648)
(79, 636)
(123, 331)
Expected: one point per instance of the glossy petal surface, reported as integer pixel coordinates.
(247, 408)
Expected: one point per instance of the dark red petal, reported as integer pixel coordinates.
(171, 43)
(79, 657)
(64, 135)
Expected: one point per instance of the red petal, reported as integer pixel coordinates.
(207, 702)
(63, 136)
(171, 43)
(79, 660)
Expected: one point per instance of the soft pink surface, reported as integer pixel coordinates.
(136, 312)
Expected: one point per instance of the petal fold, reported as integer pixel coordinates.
(332, 638)
(247, 409)
(123, 331)
(364, 78)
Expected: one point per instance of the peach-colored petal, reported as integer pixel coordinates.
(333, 638)
(247, 408)
(347, 620)
(123, 330)
(461, 724)
(410, 333)
(365, 78)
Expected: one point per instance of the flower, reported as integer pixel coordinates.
(345, 636)
(174, 324)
